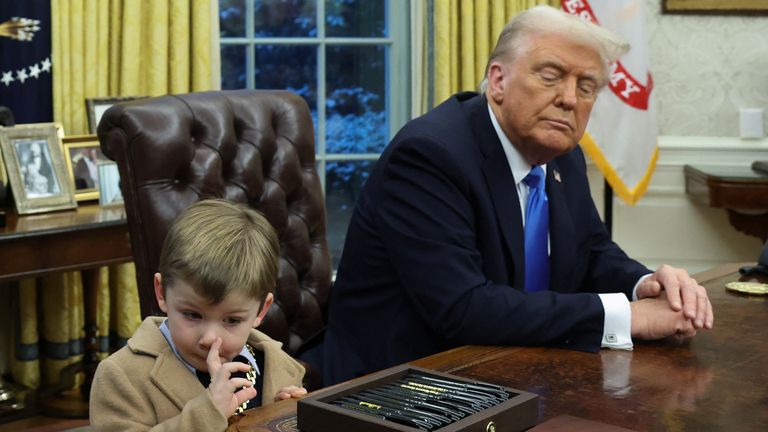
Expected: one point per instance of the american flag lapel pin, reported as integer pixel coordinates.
(556, 174)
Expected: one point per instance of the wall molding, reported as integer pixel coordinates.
(666, 226)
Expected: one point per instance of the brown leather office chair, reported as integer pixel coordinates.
(248, 146)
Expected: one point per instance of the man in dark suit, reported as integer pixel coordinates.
(436, 253)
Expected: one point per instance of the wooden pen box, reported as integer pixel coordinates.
(316, 413)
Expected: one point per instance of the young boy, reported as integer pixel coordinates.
(218, 267)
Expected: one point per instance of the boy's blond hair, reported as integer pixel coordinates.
(219, 247)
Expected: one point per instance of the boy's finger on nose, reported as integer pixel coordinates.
(213, 356)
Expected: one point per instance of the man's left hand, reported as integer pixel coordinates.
(682, 292)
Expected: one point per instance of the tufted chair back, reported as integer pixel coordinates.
(248, 146)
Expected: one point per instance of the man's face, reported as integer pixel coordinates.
(544, 97)
(195, 324)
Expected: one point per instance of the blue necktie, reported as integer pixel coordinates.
(536, 229)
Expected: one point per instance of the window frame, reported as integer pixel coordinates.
(397, 75)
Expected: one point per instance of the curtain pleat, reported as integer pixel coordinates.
(107, 48)
(113, 48)
(125, 310)
(25, 364)
(419, 56)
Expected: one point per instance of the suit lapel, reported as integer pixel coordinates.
(561, 229)
(501, 185)
(170, 376)
(173, 379)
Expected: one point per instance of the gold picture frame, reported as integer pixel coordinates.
(35, 167)
(83, 155)
(719, 7)
(96, 107)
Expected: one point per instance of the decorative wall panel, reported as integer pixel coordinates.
(705, 68)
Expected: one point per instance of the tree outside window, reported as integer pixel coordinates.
(347, 59)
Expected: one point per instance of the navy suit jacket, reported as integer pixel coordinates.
(434, 253)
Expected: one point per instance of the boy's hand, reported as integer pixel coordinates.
(290, 392)
(223, 386)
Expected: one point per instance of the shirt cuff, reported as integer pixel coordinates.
(617, 332)
(639, 281)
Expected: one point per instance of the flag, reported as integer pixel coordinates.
(25, 60)
(621, 137)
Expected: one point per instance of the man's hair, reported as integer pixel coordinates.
(219, 247)
(546, 20)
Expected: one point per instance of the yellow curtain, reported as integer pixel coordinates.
(107, 48)
(111, 48)
(463, 35)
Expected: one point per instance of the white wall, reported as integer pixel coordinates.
(705, 69)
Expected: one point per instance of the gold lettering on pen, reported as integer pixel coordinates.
(433, 388)
(423, 390)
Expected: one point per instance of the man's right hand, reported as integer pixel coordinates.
(652, 318)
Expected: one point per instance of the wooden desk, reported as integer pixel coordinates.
(82, 239)
(717, 382)
(742, 191)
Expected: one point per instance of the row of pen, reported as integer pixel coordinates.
(424, 402)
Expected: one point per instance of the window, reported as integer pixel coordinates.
(347, 58)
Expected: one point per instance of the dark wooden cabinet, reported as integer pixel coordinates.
(741, 191)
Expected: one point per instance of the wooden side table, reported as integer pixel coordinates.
(741, 191)
(82, 239)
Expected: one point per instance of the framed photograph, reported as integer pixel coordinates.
(36, 169)
(83, 156)
(96, 107)
(109, 184)
(4, 184)
(732, 7)
(59, 127)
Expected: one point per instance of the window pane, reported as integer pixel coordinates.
(291, 68)
(285, 18)
(356, 118)
(232, 18)
(360, 18)
(233, 75)
(343, 183)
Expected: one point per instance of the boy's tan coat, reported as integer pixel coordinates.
(144, 386)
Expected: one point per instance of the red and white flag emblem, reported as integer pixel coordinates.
(621, 137)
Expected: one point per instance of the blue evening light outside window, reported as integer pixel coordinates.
(347, 59)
